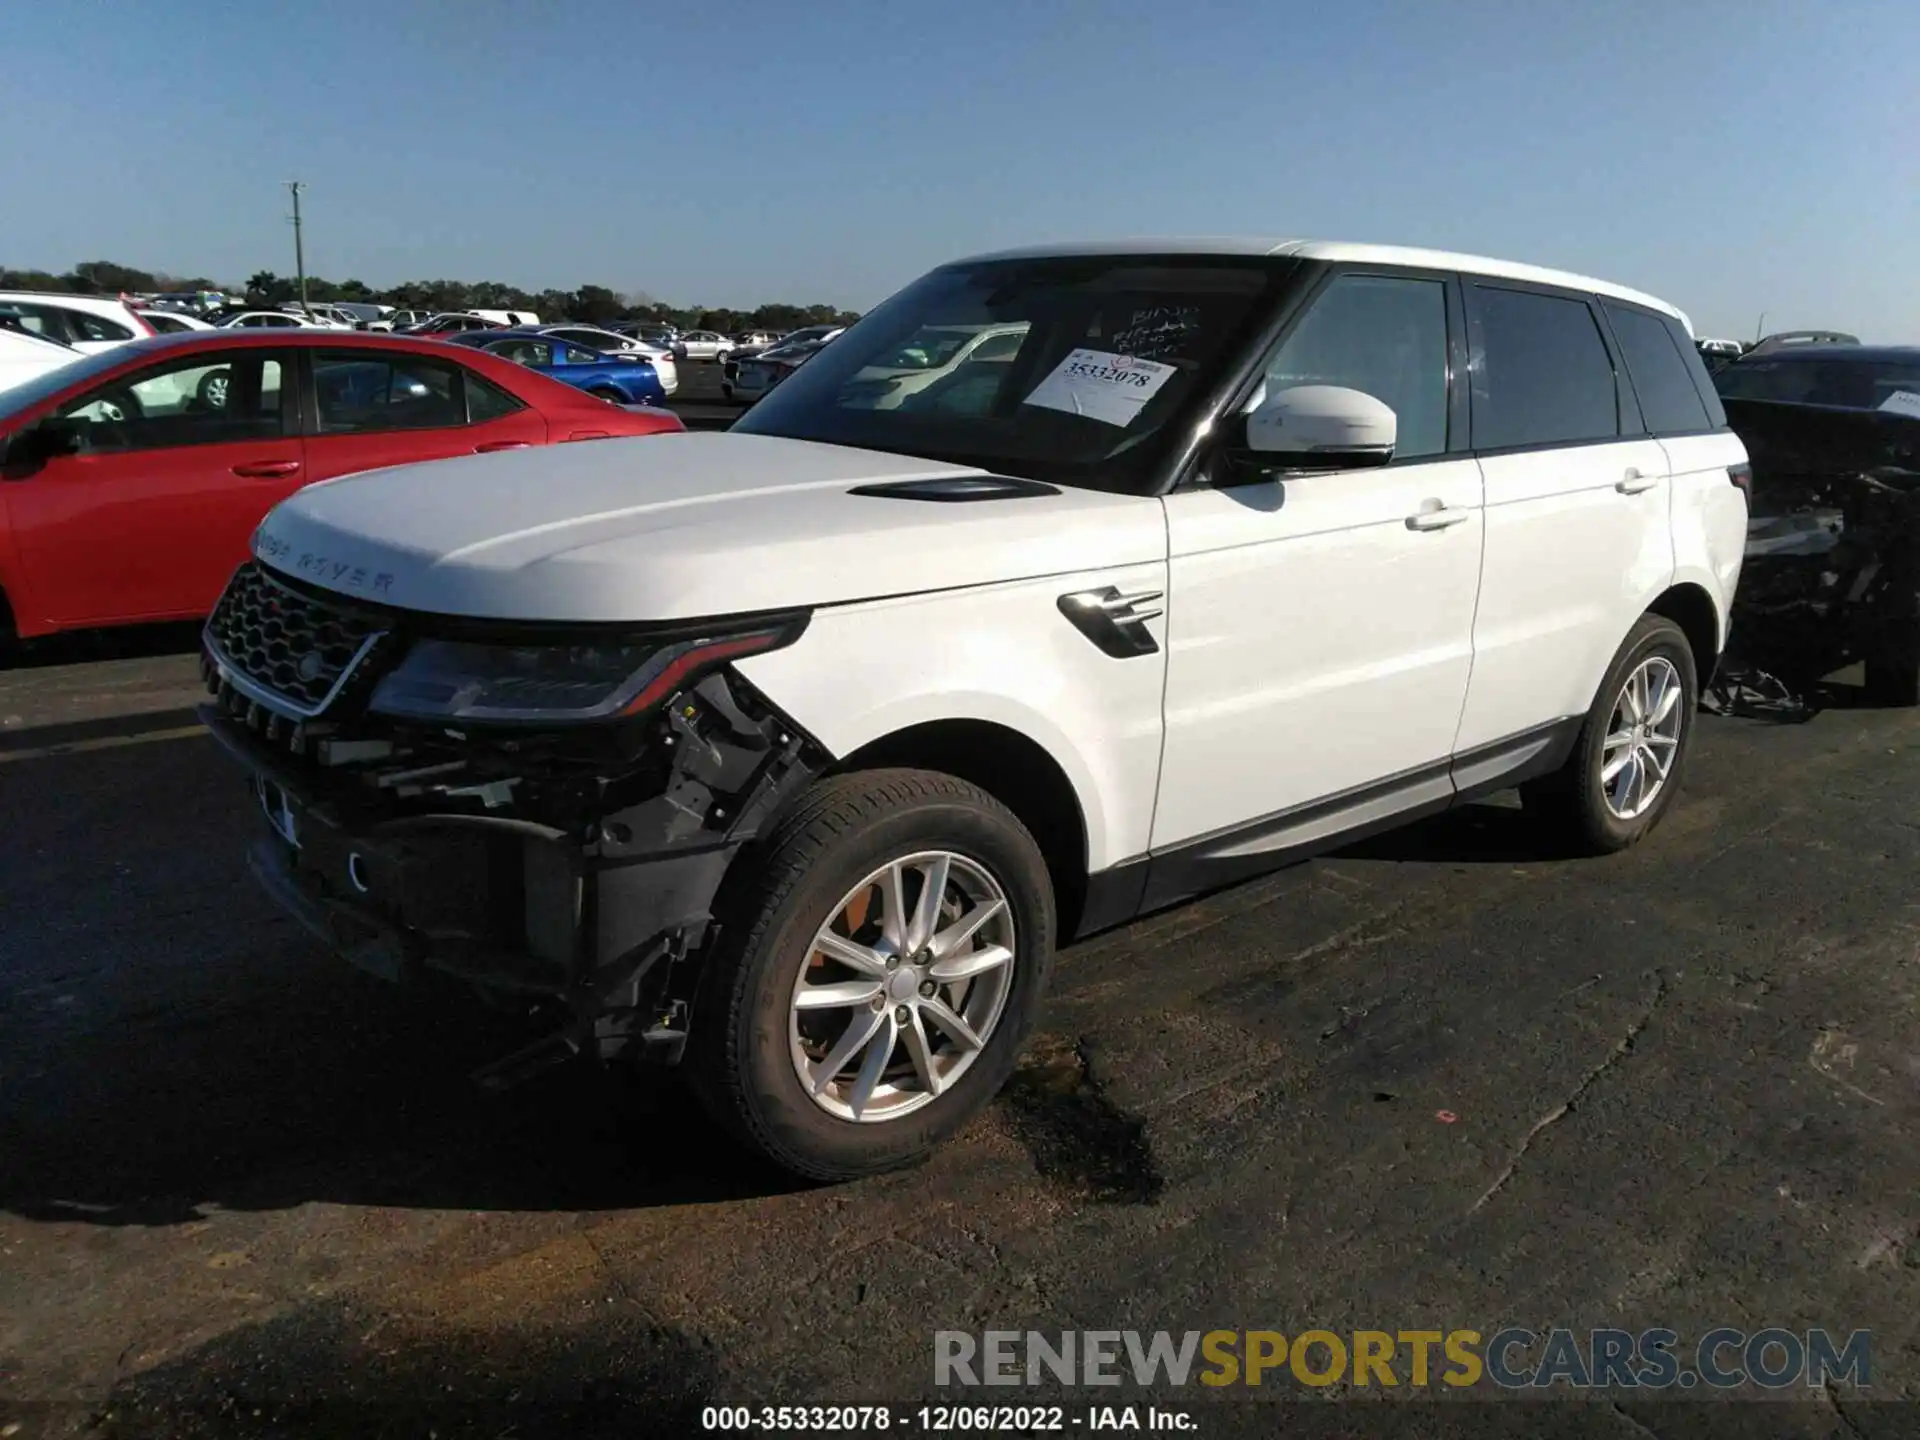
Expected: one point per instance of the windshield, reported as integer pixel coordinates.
(1116, 349)
(1808, 380)
(23, 397)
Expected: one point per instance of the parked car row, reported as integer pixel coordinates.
(136, 474)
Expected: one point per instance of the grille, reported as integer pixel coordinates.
(296, 647)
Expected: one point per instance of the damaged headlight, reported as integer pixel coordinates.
(457, 680)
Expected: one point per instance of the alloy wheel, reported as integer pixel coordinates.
(902, 987)
(1643, 736)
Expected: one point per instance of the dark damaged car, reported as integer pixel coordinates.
(1833, 434)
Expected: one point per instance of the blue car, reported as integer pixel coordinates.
(619, 379)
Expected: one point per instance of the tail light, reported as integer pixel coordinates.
(1742, 476)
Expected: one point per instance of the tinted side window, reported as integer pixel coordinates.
(1659, 373)
(192, 402)
(577, 356)
(1544, 375)
(46, 321)
(1700, 371)
(358, 394)
(486, 400)
(88, 326)
(1381, 334)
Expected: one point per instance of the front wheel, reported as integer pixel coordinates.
(1626, 765)
(877, 974)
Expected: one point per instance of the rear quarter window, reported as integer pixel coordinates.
(1659, 373)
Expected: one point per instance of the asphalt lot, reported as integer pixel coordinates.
(238, 1180)
(698, 400)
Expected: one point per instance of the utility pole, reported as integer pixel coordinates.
(299, 254)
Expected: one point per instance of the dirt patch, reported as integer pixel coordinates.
(1078, 1138)
(347, 1371)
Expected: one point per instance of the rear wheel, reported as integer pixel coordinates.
(608, 394)
(877, 976)
(1626, 765)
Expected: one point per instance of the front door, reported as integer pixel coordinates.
(176, 467)
(1320, 625)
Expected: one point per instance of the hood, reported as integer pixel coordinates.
(682, 526)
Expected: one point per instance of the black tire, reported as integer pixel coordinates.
(1572, 802)
(739, 1057)
(1894, 683)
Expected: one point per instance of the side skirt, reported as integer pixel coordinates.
(1226, 857)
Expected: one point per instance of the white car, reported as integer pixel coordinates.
(172, 322)
(272, 320)
(804, 744)
(608, 343)
(326, 315)
(89, 323)
(702, 345)
(25, 357)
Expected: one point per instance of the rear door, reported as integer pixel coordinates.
(1678, 403)
(367, 409)
(177, 466)
(1577, 499)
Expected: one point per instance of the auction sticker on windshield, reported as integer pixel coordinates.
(1100, 385)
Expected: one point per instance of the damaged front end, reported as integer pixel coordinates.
(547, 812)
(1831, 574)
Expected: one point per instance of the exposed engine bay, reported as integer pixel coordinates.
(575, 866)
(1832, 568)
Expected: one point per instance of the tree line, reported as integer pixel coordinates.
(594, 304)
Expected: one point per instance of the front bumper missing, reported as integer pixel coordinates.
(601, 921)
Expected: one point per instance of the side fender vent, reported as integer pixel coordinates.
(956, 488)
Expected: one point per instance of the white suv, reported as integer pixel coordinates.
(795, 750)
(89, 323)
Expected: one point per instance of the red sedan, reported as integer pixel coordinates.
(131, 481)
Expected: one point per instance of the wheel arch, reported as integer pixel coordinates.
(1692, 608)
(1017, 771)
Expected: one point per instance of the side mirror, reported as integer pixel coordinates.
(1319, 427)
(28, 451)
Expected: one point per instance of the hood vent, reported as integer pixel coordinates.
(952, 489)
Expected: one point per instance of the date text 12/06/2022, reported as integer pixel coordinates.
(945, 1419)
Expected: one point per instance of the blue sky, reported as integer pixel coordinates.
(1731, 157)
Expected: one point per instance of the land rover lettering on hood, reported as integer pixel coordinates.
(1065, 585)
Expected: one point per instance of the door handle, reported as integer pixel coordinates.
(1439, 517)
(1633, 482)
(488, 447)
(268, 469)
